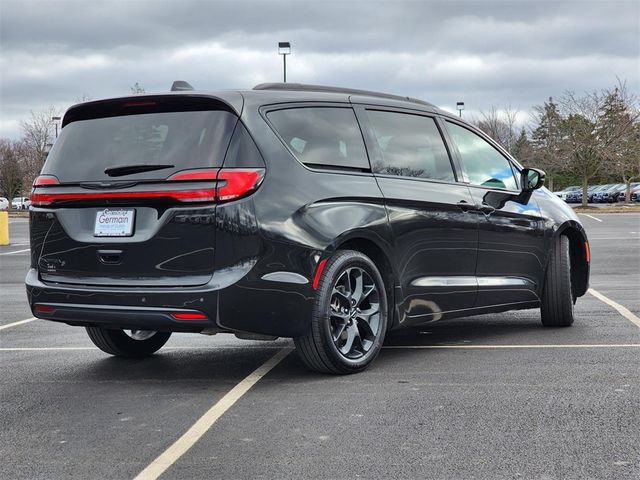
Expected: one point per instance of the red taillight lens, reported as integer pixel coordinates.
(194, 175)
(231, 184)
(200, 195)
(240, 182)
(45, 180)
(237, 182)
(43, 309)
(139, 104)
(587, 252)
(189, 316)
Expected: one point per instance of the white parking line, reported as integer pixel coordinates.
(15, 324)
(591, 216)
(17, 251)
(204, 423)
(624, 311)
(481, 347)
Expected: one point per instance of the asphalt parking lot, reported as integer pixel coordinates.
(494, 396)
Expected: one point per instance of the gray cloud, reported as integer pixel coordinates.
(485, 53)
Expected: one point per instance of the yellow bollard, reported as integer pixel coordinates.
(4, 228)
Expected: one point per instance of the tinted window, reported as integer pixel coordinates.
(411, 146)
(322, 136)
(183, 139)
(483, 163)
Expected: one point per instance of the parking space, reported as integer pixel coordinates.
(495, 396)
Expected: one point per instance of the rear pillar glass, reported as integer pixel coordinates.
(322, 136)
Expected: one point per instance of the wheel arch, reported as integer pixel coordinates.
(579, 255)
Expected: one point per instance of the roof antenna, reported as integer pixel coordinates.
(180, 85)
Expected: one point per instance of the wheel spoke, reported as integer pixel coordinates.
(365, 295)
(365, 315)
(337, 333)
(351, 336)
(346, 278)
(340, 294)
(358, 287)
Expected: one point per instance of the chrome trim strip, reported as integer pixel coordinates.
(285, 277)
(469, 281)
(453, 281)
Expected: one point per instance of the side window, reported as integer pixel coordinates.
(484, 164)
(323, 136)
(411, 146)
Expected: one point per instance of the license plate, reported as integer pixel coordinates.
(114, 223)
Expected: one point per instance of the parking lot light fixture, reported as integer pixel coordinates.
(460, 107)
(55, 121)
(284, 49)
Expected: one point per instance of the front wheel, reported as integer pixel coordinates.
(127, 343)
(557, 298)
(349, 318)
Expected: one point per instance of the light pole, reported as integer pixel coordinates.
(55, 122)
(460, 107)
(284, 49)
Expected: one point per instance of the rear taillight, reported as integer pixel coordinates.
(239, 182)
(45, 180)
(189, 316)
(231, 184)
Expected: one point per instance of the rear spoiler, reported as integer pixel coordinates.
(168, 102)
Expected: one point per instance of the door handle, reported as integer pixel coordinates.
(465, 206)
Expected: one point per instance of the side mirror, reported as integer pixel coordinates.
(531, 179)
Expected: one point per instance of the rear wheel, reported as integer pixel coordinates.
(557, 299)
(349, 319)
(128, 343)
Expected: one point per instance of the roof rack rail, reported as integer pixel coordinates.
(303, 87)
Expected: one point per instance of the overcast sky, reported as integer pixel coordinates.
(482, 53)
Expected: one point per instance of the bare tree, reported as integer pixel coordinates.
(85, 97)
(10, 171)
(500, 125)
(581, 143)
(619, 133)
(37, 138)
(137, 89)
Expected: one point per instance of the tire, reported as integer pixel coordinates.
(341, 341)
(557, 299)
(120, 344)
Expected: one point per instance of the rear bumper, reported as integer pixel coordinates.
(107, 316)
(136, 308)
(246, 305)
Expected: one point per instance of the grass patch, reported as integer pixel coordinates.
(609, 209)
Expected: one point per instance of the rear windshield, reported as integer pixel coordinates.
(174, 140)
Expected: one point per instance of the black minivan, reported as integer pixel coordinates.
(327, 215)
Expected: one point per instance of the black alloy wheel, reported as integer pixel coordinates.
(349, 318)
(127, 343)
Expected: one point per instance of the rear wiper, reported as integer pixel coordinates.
(122, 170)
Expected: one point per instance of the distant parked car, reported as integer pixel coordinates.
(4, 203)
(563, 193)
(622, 196)
(596, 193)
(609, 194)
(20, 203)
